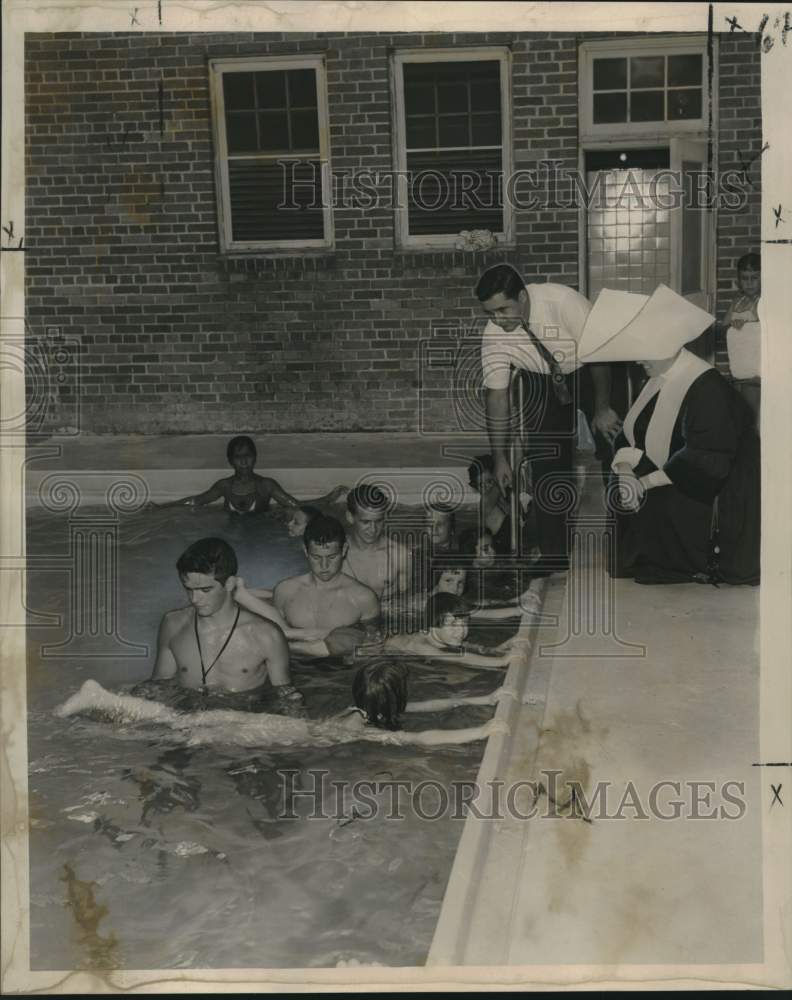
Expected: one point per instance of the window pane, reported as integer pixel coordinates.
(610, 74)
(486, 130)
(421, 132)
(271, 201)
(302, 88)
(610, 108)
(485, 95)
(419, 98)
(684, 104)
(454, 130)
(238, 91)
(647, 71)
(684, 70)
(452, 97)
(305, 130)
(646, 106)
(271, 89)
(274, 131)
(449, 192)
(241, 132)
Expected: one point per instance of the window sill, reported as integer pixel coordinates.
(445, 257)
(257, 262)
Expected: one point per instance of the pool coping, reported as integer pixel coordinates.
(453, 925)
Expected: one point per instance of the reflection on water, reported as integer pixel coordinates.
(147, 854)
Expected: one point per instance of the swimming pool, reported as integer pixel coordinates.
(146, 853)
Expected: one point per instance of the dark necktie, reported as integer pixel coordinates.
(557, 380)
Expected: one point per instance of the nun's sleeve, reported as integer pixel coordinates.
(710, 432)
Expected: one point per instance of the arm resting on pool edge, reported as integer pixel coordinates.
(440, 704)
(449, 737)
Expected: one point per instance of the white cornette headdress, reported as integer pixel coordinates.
(625, 326)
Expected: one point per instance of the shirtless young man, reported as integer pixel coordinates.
(372, 558)
(343, 612)
(213, 644)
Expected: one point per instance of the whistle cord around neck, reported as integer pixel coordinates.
(205, 670)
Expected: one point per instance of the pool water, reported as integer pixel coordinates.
(146, 853)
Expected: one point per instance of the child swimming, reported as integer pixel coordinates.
(494, 511)
(480, 545)
(447, 616)
(246, 492)
(380, 697)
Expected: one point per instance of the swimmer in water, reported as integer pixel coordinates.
(448, 619)
(336, 613)
(379, 693)
(213, 644)
(443, 527)
(453, 579)
(372, 557)
(246, 492)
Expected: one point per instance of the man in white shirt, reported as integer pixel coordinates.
(535, 328)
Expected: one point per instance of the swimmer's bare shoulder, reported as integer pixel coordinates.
(165, 665)
(286, 589)
(265, 632)
(363, 597)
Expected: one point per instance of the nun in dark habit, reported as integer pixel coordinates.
(685, 487)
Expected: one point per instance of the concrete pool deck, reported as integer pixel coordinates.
(672, 694)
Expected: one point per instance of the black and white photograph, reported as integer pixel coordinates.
(395, 560)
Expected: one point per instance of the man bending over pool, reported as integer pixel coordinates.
(341, 613)
(213, 645)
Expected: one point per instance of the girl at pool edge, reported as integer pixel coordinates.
(379, 692)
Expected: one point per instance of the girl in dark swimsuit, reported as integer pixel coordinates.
(245, 492)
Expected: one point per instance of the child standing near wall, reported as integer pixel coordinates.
(743, 337)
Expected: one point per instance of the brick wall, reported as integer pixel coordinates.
(123, 255)
(739, 134)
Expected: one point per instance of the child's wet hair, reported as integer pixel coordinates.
(470, 538)
(380, 690)
(749, 260)
(480, 465)
(210, 556)
(324, 530)
(440, 606)
(240, 441)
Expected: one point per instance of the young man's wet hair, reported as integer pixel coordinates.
(210, 556)
(500, 278)
(380, 690)
(240, 441)
(324, 530)
(367, 496)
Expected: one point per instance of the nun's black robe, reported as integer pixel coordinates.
(714, 453)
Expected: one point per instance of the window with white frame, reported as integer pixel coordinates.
(643, 86)
(453, 145)
(272, 158)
